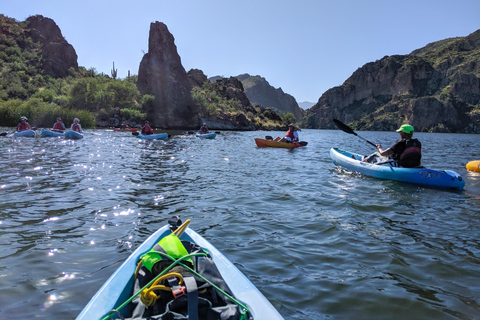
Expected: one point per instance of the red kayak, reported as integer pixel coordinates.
(126, 129)
(277, 144)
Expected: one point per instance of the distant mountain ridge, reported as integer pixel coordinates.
(261, 93)
(435, 88)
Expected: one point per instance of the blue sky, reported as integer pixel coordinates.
(305, 46)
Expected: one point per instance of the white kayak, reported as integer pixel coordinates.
(117, 290)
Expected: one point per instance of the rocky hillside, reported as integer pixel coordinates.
(261, 93)
(41, 37)
(185, 100)
(435, 88)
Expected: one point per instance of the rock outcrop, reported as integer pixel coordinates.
(58, 56)
(435, 88)
(162, 75)
(261, 93)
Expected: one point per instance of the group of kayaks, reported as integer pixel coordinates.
(70, 134)
(389, 170)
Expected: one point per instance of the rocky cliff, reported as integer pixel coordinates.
(162, 75)
(435, 88)
(41, 35)
(58, 56)
(261, 93)
(230, 107)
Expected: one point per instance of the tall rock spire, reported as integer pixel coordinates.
(162, 75)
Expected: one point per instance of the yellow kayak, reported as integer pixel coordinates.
(474, 165)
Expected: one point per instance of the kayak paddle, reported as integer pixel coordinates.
(342, 126)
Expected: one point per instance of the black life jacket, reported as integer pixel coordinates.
(410, 157)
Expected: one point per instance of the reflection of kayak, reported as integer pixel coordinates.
(161, 136)
(206, 135)
(26, 133)
(119, 287)
(474, 165)
(126, 129)
(423, 176)
(49, 133)
(278, 144)
(73, 135)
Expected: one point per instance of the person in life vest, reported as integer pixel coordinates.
(203, 129)
(58, 126)
(291, 135)
(76, 126)
(23, 125)
(406, 152)
(146, 129)
(124, 126)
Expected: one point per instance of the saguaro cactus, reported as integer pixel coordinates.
(114, 71)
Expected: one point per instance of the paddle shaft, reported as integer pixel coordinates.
(342, 126)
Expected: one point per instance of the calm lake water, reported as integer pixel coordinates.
(319, 242)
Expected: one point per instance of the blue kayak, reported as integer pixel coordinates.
(49, 133)
(26, 133)
(423, 176)
(73, 135)
(159, 136)
(119, 287)
(206, 135)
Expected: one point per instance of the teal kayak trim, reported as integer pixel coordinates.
(206, 135)
(26, 133)
(423, 176)
(118, 288)
(159, 136)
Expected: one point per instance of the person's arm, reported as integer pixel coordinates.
(384, 153)
(80, 128)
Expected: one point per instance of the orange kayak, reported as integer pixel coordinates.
(126, 129)
(278, 144)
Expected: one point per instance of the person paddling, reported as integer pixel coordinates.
(23, 125)
(146, 129)
(203, 129)
(291, 135)
(76, 126)
(406, 152)
(58, 126)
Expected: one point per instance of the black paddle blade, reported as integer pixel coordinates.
(3, 134)
(135, 133)
(303, 143)
(343, 126)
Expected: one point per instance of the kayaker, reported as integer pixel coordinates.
(124, 126)
(146, 129)
(203, 129)
(291, 135)
(406, 152)
(76, 126)
(23, 125)
(59, 125)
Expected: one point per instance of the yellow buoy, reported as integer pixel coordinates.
(474, 165)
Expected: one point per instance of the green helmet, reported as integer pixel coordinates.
(406, 128)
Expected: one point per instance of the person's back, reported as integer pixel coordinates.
(411, 154)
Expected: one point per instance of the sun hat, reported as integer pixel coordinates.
(292, 125)
(146, 121)
(59, 119)
(23, 118)
(76, 119)
(405, 128)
